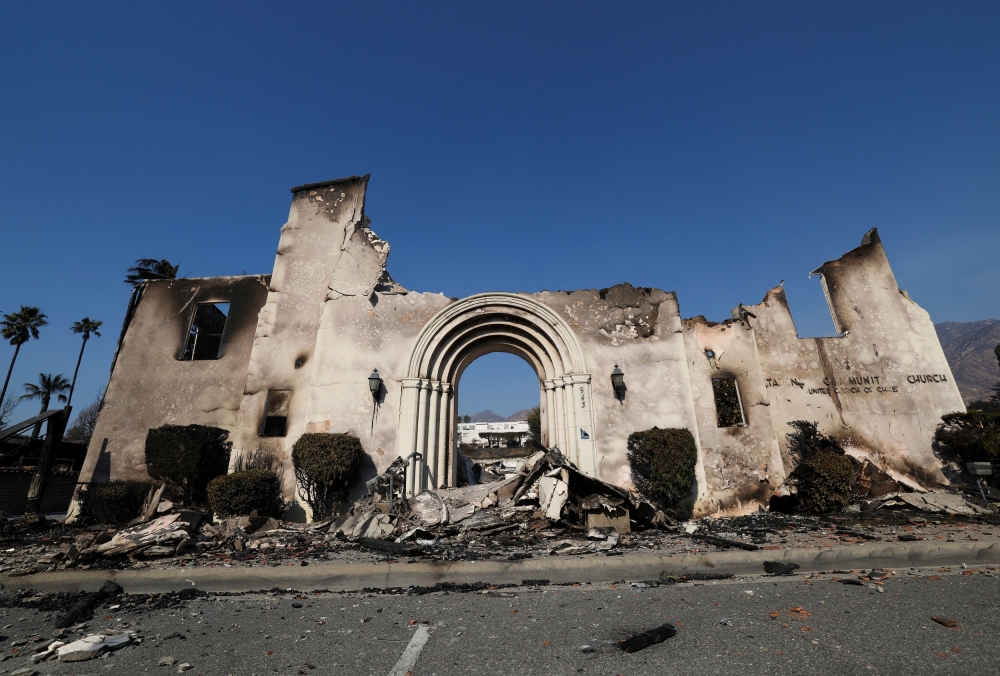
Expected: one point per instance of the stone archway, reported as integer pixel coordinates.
(466, 330)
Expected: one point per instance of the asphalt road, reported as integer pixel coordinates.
(722, 628)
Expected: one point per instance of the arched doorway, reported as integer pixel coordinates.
(453, 339)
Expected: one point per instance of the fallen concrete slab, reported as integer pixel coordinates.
(597, 568)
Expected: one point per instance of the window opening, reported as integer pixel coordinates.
(728, 406)
(276, 413)
(812, 312)
(204, 340)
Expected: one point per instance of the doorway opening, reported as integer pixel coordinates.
(499, 422)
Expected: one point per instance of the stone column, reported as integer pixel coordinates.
(584, 409)
(418, 480)
(407, 440)
(550, 420)
(560, 410)
(433, 444)
(445, 433)
(453, 439)
(572, 433)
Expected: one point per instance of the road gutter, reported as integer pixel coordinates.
(555, 569)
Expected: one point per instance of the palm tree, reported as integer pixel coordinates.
(146, 269)
(86, 326)
(47, 386)
(18, 328)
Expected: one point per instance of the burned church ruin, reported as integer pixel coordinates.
(270, 357)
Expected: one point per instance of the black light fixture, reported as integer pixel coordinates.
(618, 383)
(375, 383)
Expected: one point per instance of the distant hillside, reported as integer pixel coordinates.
(490, 416)
(969, 349)
(485, 416)
(519, 415)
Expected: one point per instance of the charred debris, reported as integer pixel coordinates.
(547, 496)
(547, 507)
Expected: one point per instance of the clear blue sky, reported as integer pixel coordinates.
(708, 148)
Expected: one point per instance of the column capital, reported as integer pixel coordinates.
(549, 384)
(446, 387)
(578, 378)
(410, 382)
(436, 386)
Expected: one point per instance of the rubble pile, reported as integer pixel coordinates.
(546, 508)
(548, 491)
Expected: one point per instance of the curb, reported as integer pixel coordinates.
(349, 577)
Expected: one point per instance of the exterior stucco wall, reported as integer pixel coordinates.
(869, 388)
(638, 329)
(151, 386)
(330, 313)
(355, 337)
(284, 345)
(742, 464)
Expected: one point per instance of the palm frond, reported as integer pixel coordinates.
(48, 385)
(21, 326)
(88, 327)
(146, 269)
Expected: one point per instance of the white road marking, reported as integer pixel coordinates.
(409, 657)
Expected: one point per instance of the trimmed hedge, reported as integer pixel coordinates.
(251, 490)
(827, 478)
(113, 502)
(827, 482)
(325, 467)
(189, 456)
(662, 463)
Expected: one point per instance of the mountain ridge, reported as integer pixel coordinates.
(492, 416)
(969, 346)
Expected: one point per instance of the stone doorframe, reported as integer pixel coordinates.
(453, 339)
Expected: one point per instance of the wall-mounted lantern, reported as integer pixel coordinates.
(375, 383)
(618, 383)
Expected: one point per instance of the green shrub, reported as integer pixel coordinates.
(189, 456)
(662, 463)
(113, 502)
(827, 478)
(972, 437)
(325, 467)
(240, 493)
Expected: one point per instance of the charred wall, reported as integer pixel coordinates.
(880, 387)
(638, 328)
(742, 463)
(330, 313)
(153, 385)
(312, 243)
